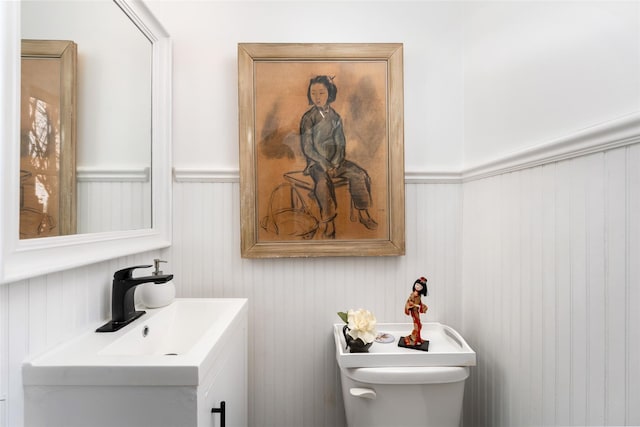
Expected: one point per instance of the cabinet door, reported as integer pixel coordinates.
(228, 385)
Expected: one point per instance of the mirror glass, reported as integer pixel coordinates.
(109, 121)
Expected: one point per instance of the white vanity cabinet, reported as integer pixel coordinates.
(171, 367)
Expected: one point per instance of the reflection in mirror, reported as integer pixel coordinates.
(47, 138)
(113, 120)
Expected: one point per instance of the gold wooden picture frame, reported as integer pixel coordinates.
(321, 149)
(48, 138)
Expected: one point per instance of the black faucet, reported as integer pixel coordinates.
(123, 310)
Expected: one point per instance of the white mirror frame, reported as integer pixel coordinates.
(21, 259)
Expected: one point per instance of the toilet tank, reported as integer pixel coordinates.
(394, 386)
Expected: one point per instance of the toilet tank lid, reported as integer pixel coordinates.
(408, 374)
(446, 348)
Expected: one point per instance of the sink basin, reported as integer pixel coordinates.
(173, 331)
(173, 345)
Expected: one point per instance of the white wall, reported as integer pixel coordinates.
(538, 71)
(205, 256)
(205, 35)
(550, 280)
(531, 73)
(293, 377)
(548, 251)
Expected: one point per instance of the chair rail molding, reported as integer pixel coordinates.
(114, 174)
(205, 175)
(605, 136)
(232, 175)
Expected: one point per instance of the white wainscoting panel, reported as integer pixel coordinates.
(544, 283)
(293, 375)
(551, 293)
(4, 354)
(113, 199)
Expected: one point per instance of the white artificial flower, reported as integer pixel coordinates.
(362, 324)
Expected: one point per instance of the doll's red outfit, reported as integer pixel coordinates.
(414, 307)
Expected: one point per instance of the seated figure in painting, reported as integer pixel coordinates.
(323, 144)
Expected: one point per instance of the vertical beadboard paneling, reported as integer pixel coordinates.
(549, 277)
(596, 289)
(18, 347)
(548, 286)
(550, 289)
(633, 279)
(563, 215)
(524, 279)
(112, 205)
(615, 279)
(578, 301)
(37, 304)
(294, 379)
(4, 353)
(534, 284)
(478, 387)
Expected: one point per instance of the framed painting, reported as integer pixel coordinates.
(321, 150)
(48, 138)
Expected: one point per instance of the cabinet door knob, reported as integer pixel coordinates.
(221, 411)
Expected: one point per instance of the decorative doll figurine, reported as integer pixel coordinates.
(413, 308)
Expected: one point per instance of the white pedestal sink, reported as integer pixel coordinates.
(170, 367)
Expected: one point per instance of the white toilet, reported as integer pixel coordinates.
(393, 386)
